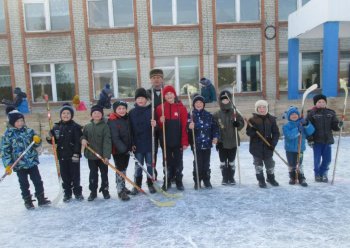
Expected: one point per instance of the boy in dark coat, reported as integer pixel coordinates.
(174, 121)
(207, 90)
(227, 146)
(266, 124)
(118, 123)
(206, 133)
(67, 135)
(141, 129)
(97, 135)
(325, 121)
(105, 97)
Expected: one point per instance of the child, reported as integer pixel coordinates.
(118, 123)
(325, 121)
(67, 135)
(20, 102)
(227, 146)
(97, 135)
(79, 105)
(207, 90)
(206, 133)
(174, 121)
(292, 130)
(266, 125)
(105, 97)
(17, 138)
(141, 129)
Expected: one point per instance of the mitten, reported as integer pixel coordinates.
(341, 124)
(8, 170)
(36, 139)
(304, 122)
(235, 123)
(75, 158)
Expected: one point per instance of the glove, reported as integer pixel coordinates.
(340, 124)
(300, 127)
(271, 147)
(36, 139)
(75, 158)
(235, 123)
(8, 170)
(303, 122)
(219, 146)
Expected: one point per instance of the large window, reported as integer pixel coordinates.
(121, 75)
(174, 12)
(229, 11)
(283, 72)
(181, 72)
(243, 71)
(310, 69)
(5, 83)
(2, 17)
(55, 80)
(286, 7)
(45, 15)
(110, 13)
(344, 66)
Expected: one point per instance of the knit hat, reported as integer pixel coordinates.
(119, 103)
(156, 72)
(261, 103)
(76, 99)
(141, 92)
(168, 89)
(17, 90)
(319, 97)
(67, 106)
(9, 109)
(205, 82)
(96, 108)
(224, 94)
(197, 97)
(291, 110)
(13, 116)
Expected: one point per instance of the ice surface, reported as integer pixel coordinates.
(226, 216)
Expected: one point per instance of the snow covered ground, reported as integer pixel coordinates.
(226, 216)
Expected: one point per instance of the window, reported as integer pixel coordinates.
(5, 83)
(181, 72)
(121, 75)
(229, 11)
(244, 71)
(174, 12)
(286, 7)
(110, 13)
(305, 1)
(283, 72)
(310, 69)
(344, 66)
(45, 15)
(2, 17)
(55, 80)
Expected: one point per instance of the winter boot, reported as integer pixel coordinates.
(292, 177)
(138, 181)
(92, 196)
(123, 196)
(179, 184)
(150, 185)
(28, 202)
(231, 174)
(67, 198)
(224, 173)
(206, 180)
(42, 200)
(79, 197)
(302, 180)
(261, 180)
(271, 180)
(127, 191)
(324, 179)
(106, 194)
(196, 186)
(318, 178)
(166, 187)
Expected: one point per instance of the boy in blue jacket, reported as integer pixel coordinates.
(292, 130)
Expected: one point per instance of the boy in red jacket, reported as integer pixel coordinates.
(174, 121)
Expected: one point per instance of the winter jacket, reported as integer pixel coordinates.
(205, 129)
(141, 129)
(105, 99)
(175, 124)
(325, 121)
(81, 106)
(209, 94)
(99, 137)
(20, 103)
(156, 96)
(67, 137)
(14, 142)
(120, 133)
(267, 126)
(291, 135)
(224, 118)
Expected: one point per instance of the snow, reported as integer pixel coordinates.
(226, 216)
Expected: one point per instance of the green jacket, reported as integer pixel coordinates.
(99, 137)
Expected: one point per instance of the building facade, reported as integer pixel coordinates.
(65, 47)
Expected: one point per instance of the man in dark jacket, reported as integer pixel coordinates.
(105, 97)
(207, 90)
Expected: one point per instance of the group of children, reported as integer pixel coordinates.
(125, 134)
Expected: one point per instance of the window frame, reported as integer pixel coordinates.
(238, 13)
(174, 15)
(299, 4)
(2, 7)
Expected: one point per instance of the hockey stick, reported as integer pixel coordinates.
(306, 93)
(155, 184)
(164, 143)
(17, 160)
(53, 143)
(236, 132)
(156, 202)
(345, 88)
(194, 142)
(153, 141)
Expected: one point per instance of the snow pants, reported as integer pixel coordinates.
(121, 162)
(70, 173)
(94, 165)
(324, 152)
(34, 175)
